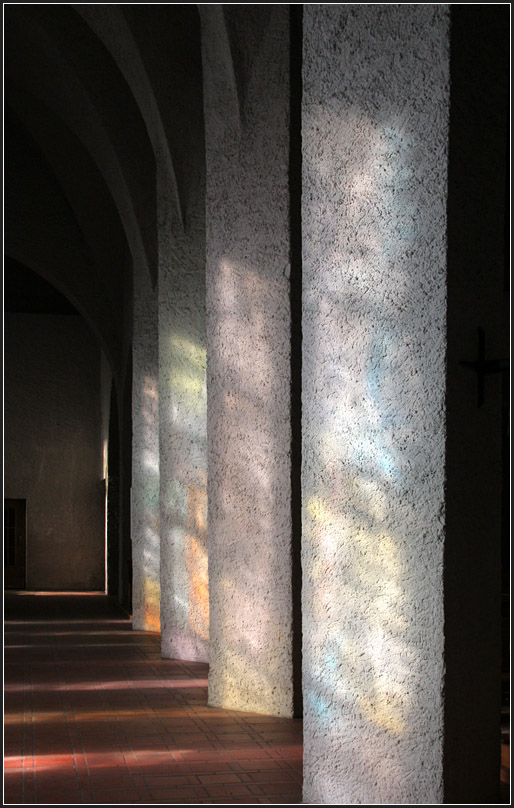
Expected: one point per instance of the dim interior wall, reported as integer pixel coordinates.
(375, 128)
(53, 448)
(144, 500)
(246, 103)
(478, 297)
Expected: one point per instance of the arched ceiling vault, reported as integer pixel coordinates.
(96, 97)
(158, 50)
(85, 190)
(41, 232)
(109, 24)
(52, 54)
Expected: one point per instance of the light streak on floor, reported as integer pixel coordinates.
(112, 722)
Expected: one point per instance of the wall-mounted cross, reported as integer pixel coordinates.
(482, 366)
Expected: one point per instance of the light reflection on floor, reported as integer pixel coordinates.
(112, 722)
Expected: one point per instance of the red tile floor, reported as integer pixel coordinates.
(94, 715)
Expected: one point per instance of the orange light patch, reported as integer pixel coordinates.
(197, 561)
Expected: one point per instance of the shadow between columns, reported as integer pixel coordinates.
(479, 65)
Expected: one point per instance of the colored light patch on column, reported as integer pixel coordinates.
(249, 488)
(152, 596)
(145, 513)
(196, 561)
(184, 572)
(373, 405)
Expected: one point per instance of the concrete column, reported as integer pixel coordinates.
(145, 457)
(164, 75)
(375, 129)
(183, 427)
(246, 102)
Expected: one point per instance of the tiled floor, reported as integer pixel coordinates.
(94, 715)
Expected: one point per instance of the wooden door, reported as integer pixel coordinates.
(14, 543)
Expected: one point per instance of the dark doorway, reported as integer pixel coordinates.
(14, 543)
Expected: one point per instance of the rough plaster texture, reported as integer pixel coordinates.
(183, 428)
(375, 111)
(144, 514)
(53, 447)
(246, 98)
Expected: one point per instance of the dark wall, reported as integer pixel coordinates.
(477, 299)
(53, 447)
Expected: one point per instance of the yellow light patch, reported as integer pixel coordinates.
(194, 354)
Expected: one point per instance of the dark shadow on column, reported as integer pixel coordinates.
(295, 195)
(125, 585)
(113, 497)
(476, 306)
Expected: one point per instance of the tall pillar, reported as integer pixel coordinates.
(246, 102)
(145, 457)
(183, 425)
(375, 130)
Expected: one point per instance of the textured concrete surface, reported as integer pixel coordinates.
(182, 352)
(183, 436)
(374, 197)
(246, 97)
(145, 458)
(53, 448)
